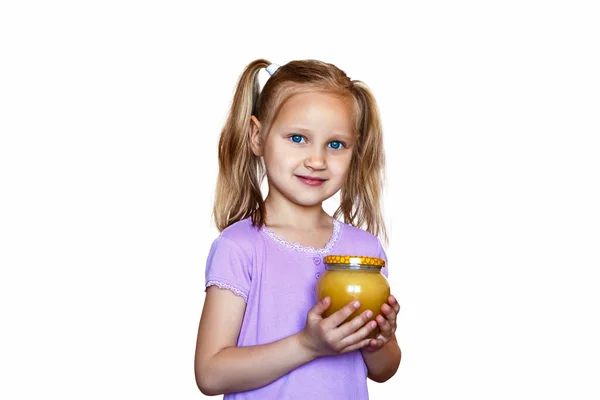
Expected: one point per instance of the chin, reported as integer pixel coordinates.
(309, 202)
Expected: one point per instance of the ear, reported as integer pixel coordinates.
(256, 142)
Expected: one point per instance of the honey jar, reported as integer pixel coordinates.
(351, 278)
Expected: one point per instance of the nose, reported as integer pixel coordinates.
(316, 160)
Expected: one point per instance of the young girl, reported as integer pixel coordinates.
(312, 131)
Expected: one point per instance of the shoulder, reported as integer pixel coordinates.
(242, 233)
(358, 235)
(356, 241)
(360, 242)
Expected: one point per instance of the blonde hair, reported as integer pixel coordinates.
(238, 194)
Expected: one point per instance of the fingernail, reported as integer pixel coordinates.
(369, 314)
(373, 324)
(356, 304)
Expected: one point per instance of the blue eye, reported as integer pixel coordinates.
(297, 138)
(336, 145)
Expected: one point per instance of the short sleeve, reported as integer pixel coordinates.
(228, 267)
(381, 254)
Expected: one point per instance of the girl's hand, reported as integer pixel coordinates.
(387, 325)
(329, 336)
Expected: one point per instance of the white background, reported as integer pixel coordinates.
(109, 117)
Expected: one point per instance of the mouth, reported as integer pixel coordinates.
(311, 181)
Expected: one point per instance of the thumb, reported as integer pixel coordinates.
(321, 306)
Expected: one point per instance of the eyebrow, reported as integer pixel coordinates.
(298, 129)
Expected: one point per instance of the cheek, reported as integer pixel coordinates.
(340, 165)
(280, 162)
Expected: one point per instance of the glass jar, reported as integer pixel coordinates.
(354, 278)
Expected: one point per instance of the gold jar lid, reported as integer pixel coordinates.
(354, 260)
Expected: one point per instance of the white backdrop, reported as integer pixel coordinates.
(109, 118)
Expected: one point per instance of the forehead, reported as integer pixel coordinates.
(319, 111)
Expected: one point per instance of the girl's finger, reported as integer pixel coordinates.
(388, 328)
(359, 335)
(389, 312)
(321, 307)
(394, 304)
(378, 344)
(340, 316)
(356, 346)
(370, 349)
(384, 325)
(374, 345)
(355, 324)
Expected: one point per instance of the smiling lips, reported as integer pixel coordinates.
(310, 181)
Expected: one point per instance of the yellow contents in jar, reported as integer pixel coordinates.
(370, 288)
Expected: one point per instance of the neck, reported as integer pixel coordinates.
(286, 214)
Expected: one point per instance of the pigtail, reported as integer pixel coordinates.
(238, 193)
(361, 196)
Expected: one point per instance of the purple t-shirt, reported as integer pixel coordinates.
(277, 280)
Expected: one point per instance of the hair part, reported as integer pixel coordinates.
(238, 194)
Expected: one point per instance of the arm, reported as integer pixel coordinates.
(221, 367)
(382, 364)
(383, 354)
(218, 359)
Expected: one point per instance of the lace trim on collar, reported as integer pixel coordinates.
(306, 249)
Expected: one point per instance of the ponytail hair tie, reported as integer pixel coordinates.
(272, 68)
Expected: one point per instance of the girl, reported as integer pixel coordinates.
(312, 131)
